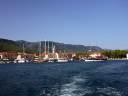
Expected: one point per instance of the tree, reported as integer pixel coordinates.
(107, 53)
(115, 54)
(123, 54)
(81, 53)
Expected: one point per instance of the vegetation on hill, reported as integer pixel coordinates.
(60, 47)
(11, 46)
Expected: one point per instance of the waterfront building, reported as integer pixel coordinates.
(16, 57)
(127, 56)
(20, 56)
(30, 57)
(4, 57)
(26, 57)
(51, 55)
(96, 54)
(70, 56)
(8, 57)
(11, 56)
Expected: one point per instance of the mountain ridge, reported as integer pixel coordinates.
(60, 47)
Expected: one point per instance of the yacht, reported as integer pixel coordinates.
(96, 57)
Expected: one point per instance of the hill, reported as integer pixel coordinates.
(59, 46)
(12, 46)
(32, 47)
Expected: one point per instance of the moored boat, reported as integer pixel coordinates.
(62, 60)
(91, 60)
(96, 57)
(52, 60)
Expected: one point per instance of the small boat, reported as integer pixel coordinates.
(52, 60)
(62, 60)
(97, 58)
(22, 61)
(39, 61)
(91, 60)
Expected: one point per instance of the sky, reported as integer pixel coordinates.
(66, 21)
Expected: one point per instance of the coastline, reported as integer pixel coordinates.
(117, 59)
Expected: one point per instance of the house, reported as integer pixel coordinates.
(51, 55)
(8, 57)
(30, 57)
(95, 55)
(11, 56)
(70, 55)
(27, 57)
(20, 56)
(3, 57)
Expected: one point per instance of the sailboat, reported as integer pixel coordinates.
(52, 56)
(39, 58)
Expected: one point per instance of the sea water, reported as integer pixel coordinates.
(109, 78)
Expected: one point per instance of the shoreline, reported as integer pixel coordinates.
(117, 59)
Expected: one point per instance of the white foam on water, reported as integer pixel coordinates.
(54, 91)
(110, 91)
(73, 88)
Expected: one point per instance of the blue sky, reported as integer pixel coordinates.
(66, 21)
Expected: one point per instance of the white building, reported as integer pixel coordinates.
(96, 54)
(127, 56)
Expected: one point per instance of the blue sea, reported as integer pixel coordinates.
(79, 78)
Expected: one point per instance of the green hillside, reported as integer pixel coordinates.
(12, 46)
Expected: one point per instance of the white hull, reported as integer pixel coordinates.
(93, 60)
(52, 60)
(21, 61)
(62, 61)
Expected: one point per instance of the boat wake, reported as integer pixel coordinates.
(79, 87)
(74, 88)
(109, 91)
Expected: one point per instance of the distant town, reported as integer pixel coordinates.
(45, 55)
(22, 57)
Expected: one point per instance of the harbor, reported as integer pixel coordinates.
(63, 48)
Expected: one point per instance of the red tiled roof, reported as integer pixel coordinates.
(21, 53)
(2, 53)
(51, 54)
(11, 53)
(97, 53)
(61, 53)
(69, 53)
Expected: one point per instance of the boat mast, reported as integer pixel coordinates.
(23, 49)
(90, 47)
(48, 46)
(45, 48)
(52, 47)
(97, 48)
(40, 50)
